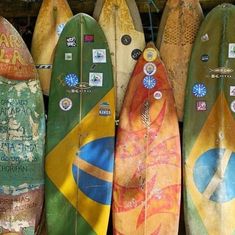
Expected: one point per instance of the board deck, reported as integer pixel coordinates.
(177, 31)
(147, 174)
(121, 22)
(52, 17)
(80, 136)
(22, 133)
(209, 141)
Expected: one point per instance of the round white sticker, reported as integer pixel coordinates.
(66, 104)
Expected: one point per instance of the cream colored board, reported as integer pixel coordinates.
(178, 28)
(52, 16)
(118, 18)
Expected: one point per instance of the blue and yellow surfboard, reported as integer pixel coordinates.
(80, 132)
(209, 137)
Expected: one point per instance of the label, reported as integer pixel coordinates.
(99, 55)
(66, 104)
(157, 95)
(231, 50)
(68, 56)
(150, 54)
(150, 69)
(201, 106)
(149, 82)
(71, 41)
(126, 40)
(199, 90)
(232, 90)
(96, 79)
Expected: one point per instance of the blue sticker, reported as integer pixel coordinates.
(149, 82)
(71, 80)
(199, 90)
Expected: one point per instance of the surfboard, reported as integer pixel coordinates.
(209, 148)
(147, 173)
(52, 17)
(177, 31)
(80, 131)
(22, 136)
(121, 22)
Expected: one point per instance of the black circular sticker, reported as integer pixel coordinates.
(204, 58)
(126, 39)
(135, 54)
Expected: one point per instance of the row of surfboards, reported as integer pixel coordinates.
(79, 157)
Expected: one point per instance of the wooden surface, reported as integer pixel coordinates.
(20, 8)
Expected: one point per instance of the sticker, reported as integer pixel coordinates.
(71, 80)
(135, 54)
(104, 109)
(157, 95)
(66, 104)
(60, 28)
(68, 56)
(150, 69)
(44, 66)
(99, 55)
(149, 82)
(150, 54)
(232, 90)
(126, 39)
(199, 90)
(205, 37)
(231, 50)
(89, 38)
(201, 106)
(204, 58)
(232, 106)
(71, 42)
(96, 79)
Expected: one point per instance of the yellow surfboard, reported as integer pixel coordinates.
(51, 19)
(123, 29)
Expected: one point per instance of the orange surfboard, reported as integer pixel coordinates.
(147, 176)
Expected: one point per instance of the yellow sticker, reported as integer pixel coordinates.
(150, 54)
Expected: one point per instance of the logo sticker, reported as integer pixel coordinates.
(205, 37)
(149, 82)
(68, 56)
(232, 90)
(199, 90)
(99, 55)
(201, 106)
(71, 80)
(65, 104)
(150, 54)
(104, 109)
(96, 79)
(60, 28)
(231, 50)
(157, 95)
(204, 58)
(89, 38)
(150, 68)
(232, 106)
(135, 54)
(71, 42)
(126, 40)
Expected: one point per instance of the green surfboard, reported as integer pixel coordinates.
(209, 136)
(80, 132)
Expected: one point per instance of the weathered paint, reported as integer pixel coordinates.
(208, 128)
(79, 160)
(147, 175)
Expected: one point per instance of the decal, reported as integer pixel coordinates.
(60, 28)
(204, 58)
(201, 105)
(205, 37)
(135, 54)
(104, 109)
(157, 95)
(150, 68)
(126, 40)
(68, 56)
(221, 72)
(65, 104)
(232, 106)
(149, 82)
(96, 79)
(199, 90)
(89, 38)
(44, 66)
(71, 41)
(71, 80)
(150, 54)
(232, 90)
(99, 55)
(231, 50)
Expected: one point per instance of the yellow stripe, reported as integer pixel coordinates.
(93, 170)
(60, 160)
